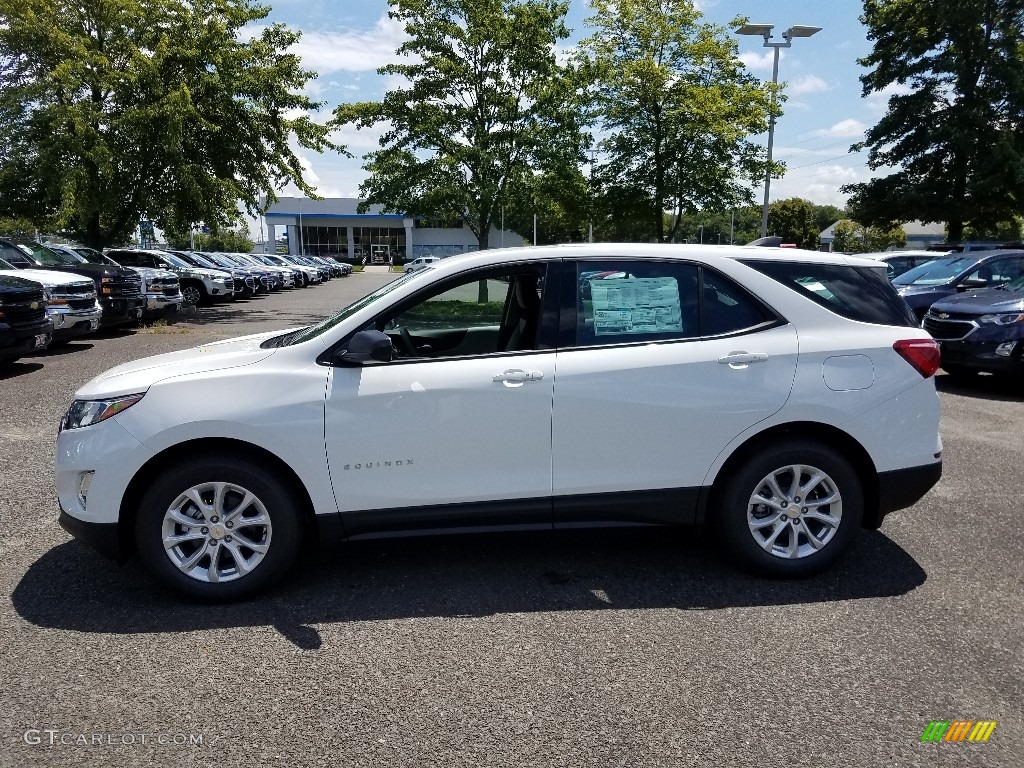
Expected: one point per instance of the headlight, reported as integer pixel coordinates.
(83, 413)
(1002, 319)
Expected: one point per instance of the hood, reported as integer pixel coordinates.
(204, 272)
(153, 273)
(48, 278)
(983, 302)
(140, 375)
(913, 290)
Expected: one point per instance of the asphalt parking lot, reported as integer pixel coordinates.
(593, 648)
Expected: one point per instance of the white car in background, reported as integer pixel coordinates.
(785, 399)
(899, 262)
(421, 263)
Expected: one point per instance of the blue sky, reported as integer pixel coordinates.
(345, 42)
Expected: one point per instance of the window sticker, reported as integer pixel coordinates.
(636, 305)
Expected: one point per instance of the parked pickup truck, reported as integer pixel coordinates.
(200, 287)
(24, 326)
(119, 290)
(160, 287)
(70, 300)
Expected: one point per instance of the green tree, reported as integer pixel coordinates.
(853, 237)
(486, 109)
(1005, 231)
(826, 215)
(677, 107)
(793, 220)
(848, 237)
(112, 111)
(957, 137)
(236, 240)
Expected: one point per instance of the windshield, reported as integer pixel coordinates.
(305, 334)
(937, 271)
(176, 260)
(89, 256)
(201, 261)
(44, 255)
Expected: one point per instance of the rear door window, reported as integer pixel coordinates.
(858, 293)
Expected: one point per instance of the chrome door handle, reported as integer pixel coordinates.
(743, 359)
(518, 376)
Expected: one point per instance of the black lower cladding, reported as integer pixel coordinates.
(672, 506)
(103, 537)
(902, 488)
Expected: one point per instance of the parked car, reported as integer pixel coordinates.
(283, 277)
(323, 269)
(421, 263)
(981, 331)
(199, 286)
(261, 277)
(24, 326)
(299, 278)
(243, 283)
(71, 304)
(160, 288)
(334, 268)
(973, 246)
(306, 275)
(706, 384)
(947, 275)
(899, 262)
(119, 289)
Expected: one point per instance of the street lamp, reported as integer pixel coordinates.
(765, 31)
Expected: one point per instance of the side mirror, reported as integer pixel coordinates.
(365, 347)
(972, 283)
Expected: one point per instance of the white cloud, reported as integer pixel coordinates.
(844, 129)
(758, 61)
(358, 50)
(820, 185)
(878, 102)
(807, 84)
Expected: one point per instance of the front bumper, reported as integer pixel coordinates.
(71, 323)
(24, 341)
(121, 310)
(103, 537)
(1005, 356)
(159, 304)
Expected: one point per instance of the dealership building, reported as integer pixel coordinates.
(333, 226)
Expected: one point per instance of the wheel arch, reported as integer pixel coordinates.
(263, 458)
(826, 434)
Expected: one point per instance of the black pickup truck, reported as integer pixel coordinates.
(24, 327)
(119, 290)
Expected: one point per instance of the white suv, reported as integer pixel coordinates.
(421, 263)
(785, 399)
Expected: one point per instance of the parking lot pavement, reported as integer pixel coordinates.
(594, 648)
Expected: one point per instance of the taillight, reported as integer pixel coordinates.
(923, 354)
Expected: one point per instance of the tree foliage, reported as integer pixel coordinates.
(484, 108)
(115, 110)
(853, 237)
(955, 127)
(793, 219)
(235, 240)
(676, 107)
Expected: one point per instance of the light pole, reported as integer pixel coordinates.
(765, 31)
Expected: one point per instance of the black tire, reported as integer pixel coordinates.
(282, 536)
(194, 293)
(732, 503)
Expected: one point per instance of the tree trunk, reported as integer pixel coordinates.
(954, 231)
(93, 235)
(482, 239)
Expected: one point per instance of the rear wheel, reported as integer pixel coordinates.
(790, 510)
(217, 528)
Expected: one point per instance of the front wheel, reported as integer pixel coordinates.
(791, 510)
(218, 529)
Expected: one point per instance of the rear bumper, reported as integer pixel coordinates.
(902, 488)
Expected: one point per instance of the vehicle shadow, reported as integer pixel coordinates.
(1001, 388)
(249, 311)
(72, 588)
(19, 367)
(67, 348)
